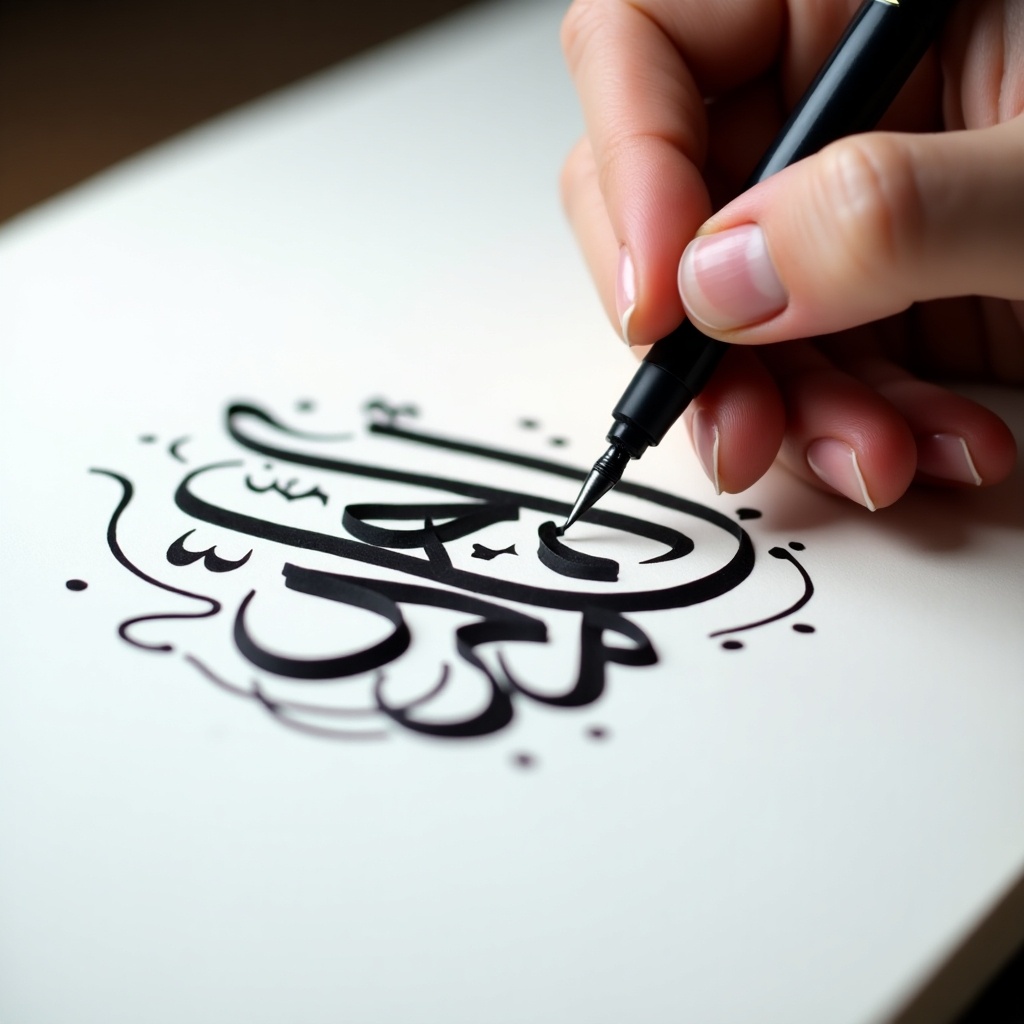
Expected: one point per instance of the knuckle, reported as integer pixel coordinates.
(869, 195)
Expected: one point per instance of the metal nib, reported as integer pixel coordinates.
(607, 472)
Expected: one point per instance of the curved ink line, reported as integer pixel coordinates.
(173, 448)
(257, 695)
(719, 582)
(392, 412)
(677, 543)
(806, 596)
(178, 554)
(128, 491)
(387, 650)
(305, 435)
(594, 656)
(495, 623)
(285, 492)
(204, 669)
(462, 519)
(378, 688)
(567, 561)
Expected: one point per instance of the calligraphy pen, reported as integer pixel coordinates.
(876, 55)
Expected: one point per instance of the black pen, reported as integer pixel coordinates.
(876, 55)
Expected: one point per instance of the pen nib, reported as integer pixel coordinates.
(607, 472)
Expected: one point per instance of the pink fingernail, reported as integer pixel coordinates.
(835, 463)
(727, 280)
(947, 457)
(705, 442)
(625, 291)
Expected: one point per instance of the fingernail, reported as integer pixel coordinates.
(947, 457)
(727, 280)
(625, 291)
(836, 464)
(705, 442)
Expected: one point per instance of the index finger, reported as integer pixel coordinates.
(642, 70)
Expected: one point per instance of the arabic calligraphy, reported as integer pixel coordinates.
(396, 550)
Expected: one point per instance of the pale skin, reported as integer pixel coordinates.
(899, 252)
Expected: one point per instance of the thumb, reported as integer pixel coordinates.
(859, 231)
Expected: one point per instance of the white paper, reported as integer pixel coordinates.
(799, 829)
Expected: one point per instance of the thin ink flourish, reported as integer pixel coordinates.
(215, 606)
(804, 598)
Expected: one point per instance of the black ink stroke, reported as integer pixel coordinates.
(566, 561)
(389, 411)
(722, 580)
(178, 554)
(488, 554)
(462, 520)
(173, 447)
(438, 569)
(286, 491)
(127, 490)
(387, 650)
(677, 543)
(76, 584)
(804, 598)
(748, 513)
(494, 623)
(595, 655)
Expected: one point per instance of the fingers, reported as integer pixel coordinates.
(860, 231)
(861, 426)
(634, 65)
(959, 442)
(737, 422)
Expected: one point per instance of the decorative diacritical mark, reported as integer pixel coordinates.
(486, 553)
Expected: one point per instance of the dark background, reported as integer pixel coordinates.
(86, 83)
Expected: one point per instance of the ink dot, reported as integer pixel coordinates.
(527, 424)
(732, 645)
(802, 627)
(76, 584)
(305, 405)
(597, 732)
(524, 760)
(147, 439)
(796, 545)
(558, 442)
(748, 513)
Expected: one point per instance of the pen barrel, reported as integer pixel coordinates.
(874, 58)
(870, 64)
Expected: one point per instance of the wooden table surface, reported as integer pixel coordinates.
(85, 85)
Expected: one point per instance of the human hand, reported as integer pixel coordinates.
(899, 252)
